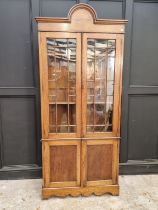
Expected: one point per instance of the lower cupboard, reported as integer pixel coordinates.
(80, 167)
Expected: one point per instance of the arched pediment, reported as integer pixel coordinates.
(82, 11)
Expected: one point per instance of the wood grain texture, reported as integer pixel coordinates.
(101, 150)
(43, 85)
(118, 85)
(84, 191)
(99, 162)
(63, 163)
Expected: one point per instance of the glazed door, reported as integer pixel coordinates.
(101, 88)
(60, 84)
(101, 82)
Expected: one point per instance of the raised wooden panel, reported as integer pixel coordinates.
(56, 8)
(144, 63)
(63, 163)
(107, 9)
(16, 67)
(18, 131)
(99, 162)
(142, 128)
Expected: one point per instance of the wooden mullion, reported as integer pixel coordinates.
(56, 94)
(68, 91)
(84, 85)
(94, 84)
(44, 84)
(106, 55)
(78, 86)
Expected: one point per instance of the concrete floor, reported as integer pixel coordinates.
(137, 193)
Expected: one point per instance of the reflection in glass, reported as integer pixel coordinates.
(52, 118)
(111, 52)
(72, 43)
(110, 68)
(61, 42)
(100, 95)
(110, 88)
(72, 114)
(90, 63)
(100, 84)
(111, 43)
(101, 43)
(100, 111)
(90, 43)
(90, 114)
(62, 84)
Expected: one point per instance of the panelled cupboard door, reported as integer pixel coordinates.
(61, 163)
(100, 162)
(101, 82)
(60, 77)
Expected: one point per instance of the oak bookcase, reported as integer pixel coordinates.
(81, 61)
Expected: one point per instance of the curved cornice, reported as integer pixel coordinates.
(74, 9)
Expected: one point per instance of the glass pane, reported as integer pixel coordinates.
(99, 52)
(90, 128)
(72, 91)
(61, 42)
(72, 114)
(90, 91)
(90, 64)
(100, 128)
(51, 73)
(111, 52)
(52, 117)
(101, 65)
(100, 84)
(62, 129)
(72, 99)
(110, 68)
(62, 95)
(71, 43)
(100, 111)
(111, 43)
(90, 69)
(62, 84)
(90, 43)
(101, 43)
(110, 88)
(72, 129)
(90, 114)
(62, 114)
(100, 95)
(90, 84)
(50, 43)
(71, 54)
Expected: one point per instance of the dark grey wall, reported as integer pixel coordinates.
(20, 147)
